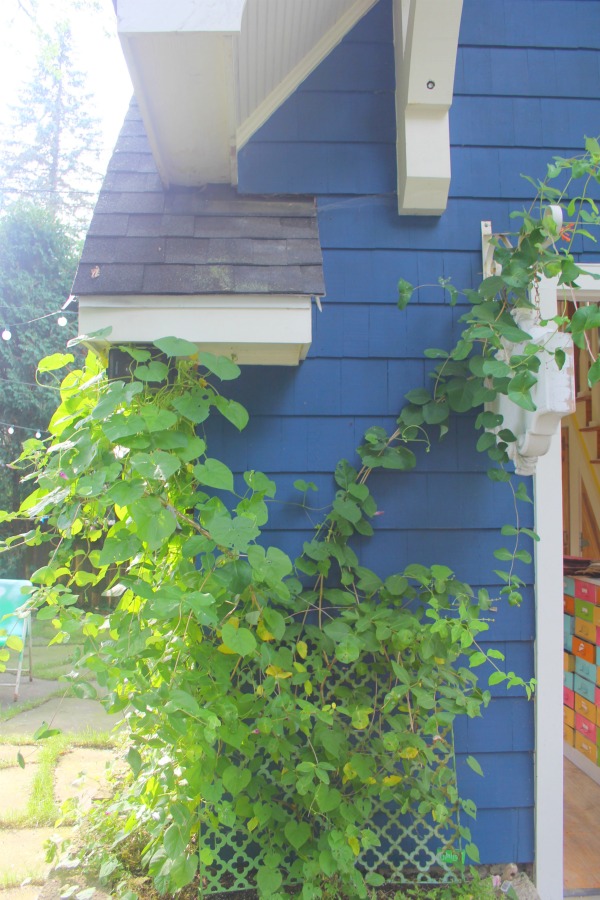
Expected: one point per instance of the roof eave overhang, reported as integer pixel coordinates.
(182, 60)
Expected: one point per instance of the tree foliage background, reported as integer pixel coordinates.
(50, 175)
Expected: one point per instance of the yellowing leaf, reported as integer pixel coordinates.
(263, 632)
(120, 511)
(302, 649)
(409, 753)
(308, 688)
(253, 823)
(276, 672)
(392, 779)
(299, 667)
(354, 845)
(223, 648)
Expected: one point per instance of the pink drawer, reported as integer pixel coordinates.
(569, 697)
(585, 727)
(587, 590)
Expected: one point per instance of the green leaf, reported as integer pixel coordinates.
(13, 642)
(193, 405)
(221, 366)
(348, 649)
(240, 640)
(473, 764)
(153, 371)
(175, 840)
(297, 833)
(233, 411)
(181, 701)
(268, 881)
(174, 346)
(44, 732)
(419, 396)
(214, 474)
(55, 361)
(20, 760)
(405, 292)
(154, 522)
(236, 779)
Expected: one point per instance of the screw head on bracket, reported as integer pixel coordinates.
(430, 85)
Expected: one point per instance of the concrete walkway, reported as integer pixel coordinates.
(79, 773)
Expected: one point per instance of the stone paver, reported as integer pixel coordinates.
(29, 892)
(82, 774)
(28, 691)
(22, 853)
(8, 753)
(15, 783)
(68, 714)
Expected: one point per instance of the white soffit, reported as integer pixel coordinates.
(281, 43)
(426, 42)
(252, 329)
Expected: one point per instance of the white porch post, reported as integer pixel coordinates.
(548, 659)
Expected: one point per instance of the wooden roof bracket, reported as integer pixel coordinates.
(426, 43)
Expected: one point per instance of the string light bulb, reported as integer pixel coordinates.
(62, 321)
(6, 335)
(38, 434)
(11, 430)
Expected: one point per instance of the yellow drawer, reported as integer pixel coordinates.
(586, 747)
(586, 708)
(585, 630)
(568, 734)
(569, 716)
(568, 662)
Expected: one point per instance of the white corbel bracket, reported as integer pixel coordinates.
(426, 42)
(553, 395)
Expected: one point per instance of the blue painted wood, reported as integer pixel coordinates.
(526, 89)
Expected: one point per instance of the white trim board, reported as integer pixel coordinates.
(549, 635)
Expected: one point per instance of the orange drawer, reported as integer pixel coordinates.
(568, 662)
(585, 708)
(586, 630)
(569, 605)
(586, 747)
(587, 590)
(569, 716)
(584, 650)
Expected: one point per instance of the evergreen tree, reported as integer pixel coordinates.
(38, 257)
(54, 140)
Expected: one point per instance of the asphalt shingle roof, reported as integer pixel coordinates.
(144, 239)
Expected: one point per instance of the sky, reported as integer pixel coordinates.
(97, 49)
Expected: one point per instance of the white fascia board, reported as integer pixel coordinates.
(143, 16)
(253, 329)
(302, 70)
(426, 42)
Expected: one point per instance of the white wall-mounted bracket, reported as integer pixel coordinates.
(554, 393)
(426, 43)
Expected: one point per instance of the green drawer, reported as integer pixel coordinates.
(568, 678)
(569, 586)
(586, 669)
(584, 610)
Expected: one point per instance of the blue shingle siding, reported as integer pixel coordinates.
(527, 83)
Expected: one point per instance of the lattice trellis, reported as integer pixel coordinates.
(411, 846)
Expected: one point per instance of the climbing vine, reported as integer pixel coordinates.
(283, 701)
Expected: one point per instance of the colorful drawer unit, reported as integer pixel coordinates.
(569, 585)
(585, 688)
(583, 707)
(585, 630)
(569, 623)
(587, 589)
(584, 649)
(586, 669)
(569, 716)
(568, 679)
(569, 605)
(587, 747)
(568, 662)
(568, 734)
